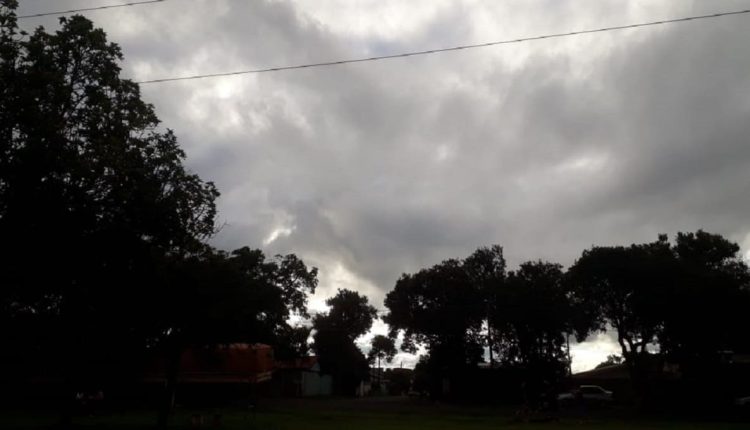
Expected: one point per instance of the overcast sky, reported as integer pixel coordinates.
(373, 169)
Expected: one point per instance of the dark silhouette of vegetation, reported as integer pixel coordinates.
(712, 281)
(220, 298)
(381, 348)
(441, 309)
(612, 360)
(532, 318)
(648, 294)
(486, 270)
(350, 316)
(685, 300)
(627, 288)
(93, 190)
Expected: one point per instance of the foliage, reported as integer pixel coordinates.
(381, 348)
(292, 342)
(688, 300)
(612, 359)
(531, 321)
(626, 288)
(712, 282)
(94, 193)
(219, 297)
(438, 307)
(350, 316)
(93, 196)
(651, 293)
(485, 268)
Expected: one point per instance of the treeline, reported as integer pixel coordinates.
(683, 302)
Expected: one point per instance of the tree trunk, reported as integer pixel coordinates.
(489, 345)
(489, 337)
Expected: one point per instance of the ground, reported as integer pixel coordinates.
(360, 414)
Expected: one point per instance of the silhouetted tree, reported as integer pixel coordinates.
(612, 359)
(443, 310)
(350, 316)
(707, 315)
(219, 298)
(627, 288)
(381, 348)
(95, 192)
(292, 342)
(532, 318)
(93, 195)
(486, 270)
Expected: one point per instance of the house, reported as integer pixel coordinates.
(301, 377)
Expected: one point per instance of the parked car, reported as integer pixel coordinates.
(592, 394)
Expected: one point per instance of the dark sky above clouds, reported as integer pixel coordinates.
(374, 169)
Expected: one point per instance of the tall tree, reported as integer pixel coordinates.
(627, 288)
(713, 282)
(533, 316)
(350, 316)
(612, 360)
(92, 191)
(292, 342)
(442, 310)
(381, 348)
(218, 298)
(486, 270)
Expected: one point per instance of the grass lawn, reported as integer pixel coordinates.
(359, 414)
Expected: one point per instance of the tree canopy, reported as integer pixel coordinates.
(441, 309)
(626, 288)
(381, 348)
(350, 316)
(104, 229)
(712, 281)
(92, 189)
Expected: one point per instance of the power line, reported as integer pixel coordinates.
(88, 9)
(453, 48)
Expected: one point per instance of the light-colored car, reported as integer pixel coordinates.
(587, 394)
(743, 402)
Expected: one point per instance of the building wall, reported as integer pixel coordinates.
(316, 384)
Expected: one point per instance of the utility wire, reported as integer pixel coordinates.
(453, 48)
(88, 9)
